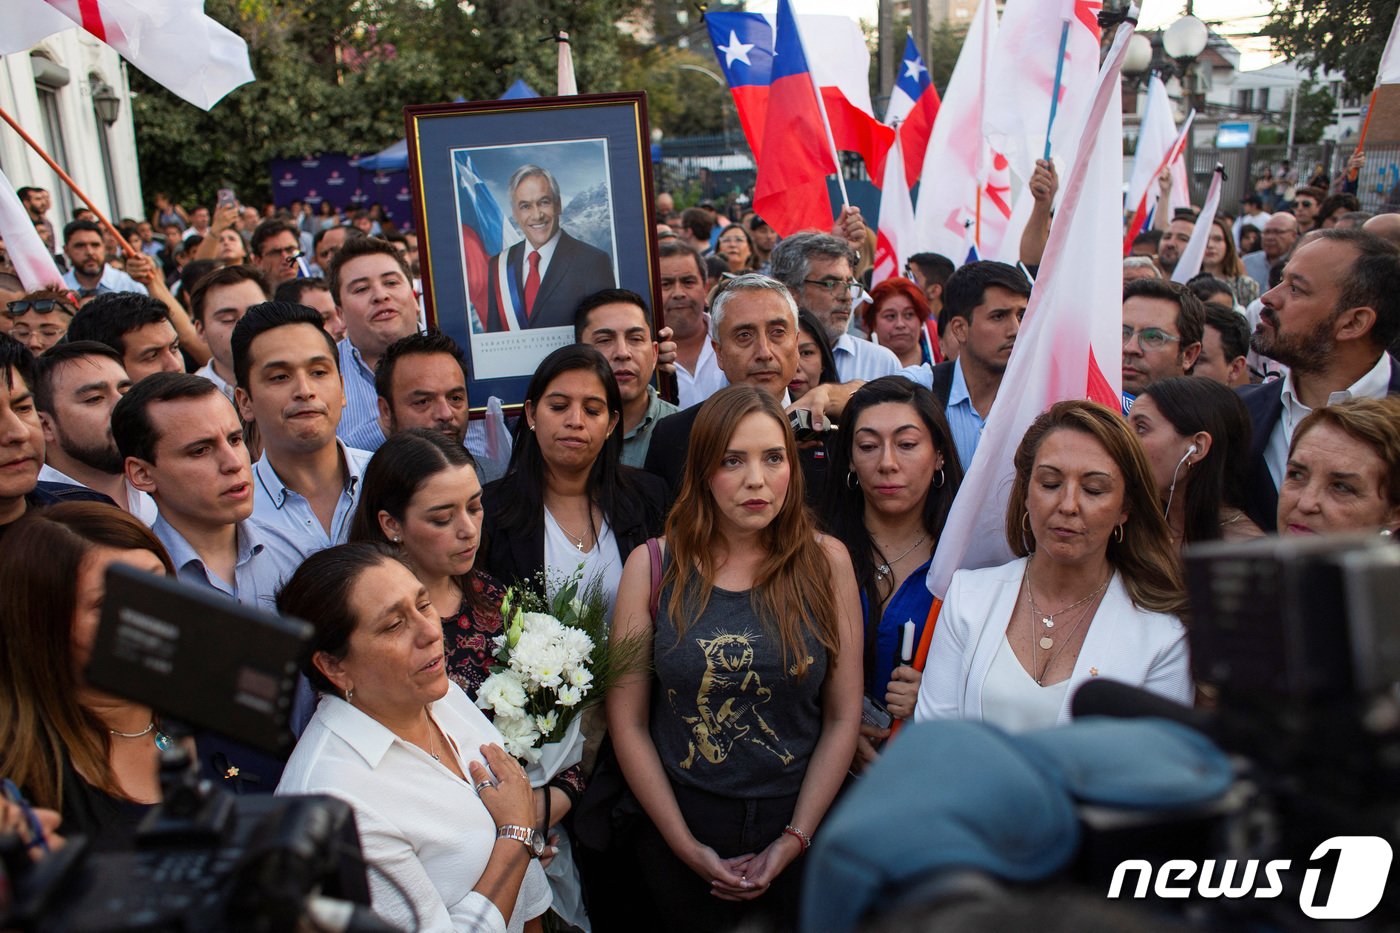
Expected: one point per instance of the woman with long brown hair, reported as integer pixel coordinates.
(737, 746)
(1096, 590)
(1225, 264)
(90, 755)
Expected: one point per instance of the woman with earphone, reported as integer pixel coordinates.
(1097, 590)
(1196, 434)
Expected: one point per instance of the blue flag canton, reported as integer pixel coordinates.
(743, 44)
(913, 75)
(788, 57)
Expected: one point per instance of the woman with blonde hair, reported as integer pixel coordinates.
(738, 741)
(1343, 470)
(1096, 589)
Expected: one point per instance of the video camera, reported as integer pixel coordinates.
(203, 859)
(1276, 808)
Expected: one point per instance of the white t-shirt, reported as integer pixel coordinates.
(562, 558)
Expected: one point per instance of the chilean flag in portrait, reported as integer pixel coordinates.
(913, 106)
(483, 229)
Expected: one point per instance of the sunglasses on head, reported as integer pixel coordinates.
(37, 305)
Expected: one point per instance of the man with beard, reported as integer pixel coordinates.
(306, 484)
(87, 255)
(76, 386)
(683, 291)
(1173, 243)
(818, 269)
(1330, 321)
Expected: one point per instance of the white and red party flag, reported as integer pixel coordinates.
(172, 41)
(894, 233)
(1389, 72)
(1069, 346)
(1158, 136)
(1022, 80)
(1147, 201)
(1189, 265)
(963, 184)
(31, 258)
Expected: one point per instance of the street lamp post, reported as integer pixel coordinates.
(1183, 42)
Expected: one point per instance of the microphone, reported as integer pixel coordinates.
(1102, 697)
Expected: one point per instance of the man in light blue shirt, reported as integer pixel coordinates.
(88, 271)
(371, 285)
(183, 445)
(817, 269)
(307, 482)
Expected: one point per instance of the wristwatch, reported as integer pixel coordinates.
(531, 838)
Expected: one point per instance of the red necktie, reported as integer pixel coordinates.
(532, 282)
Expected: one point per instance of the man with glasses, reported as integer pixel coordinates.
(40, 318)
(276, 247)
(1279, 236)
(1162, 328)
(817, 269)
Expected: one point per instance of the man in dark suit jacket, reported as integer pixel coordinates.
(540, 281)
(1330, 322)
(753, 323)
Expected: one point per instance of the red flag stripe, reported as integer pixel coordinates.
(91, 11)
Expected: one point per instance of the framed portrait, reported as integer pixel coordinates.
(524, 207)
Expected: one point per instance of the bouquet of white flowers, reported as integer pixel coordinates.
(555, 659)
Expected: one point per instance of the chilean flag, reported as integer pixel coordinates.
(913, 106)
(839, 65)
(483, 227)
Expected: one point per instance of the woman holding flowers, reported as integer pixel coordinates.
(739, 740)
(566, 500)
(421, 493)
(444, 814)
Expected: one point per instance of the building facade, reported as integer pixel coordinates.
(70, 94)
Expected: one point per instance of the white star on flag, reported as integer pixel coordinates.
(736, 50)
(913, 68)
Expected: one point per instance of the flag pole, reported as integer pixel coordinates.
(1059, 82)
(826, 121)
(1366, 124)
(122, 245)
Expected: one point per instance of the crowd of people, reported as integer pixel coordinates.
(251, 402)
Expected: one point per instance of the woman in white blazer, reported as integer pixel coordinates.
(1096, 591)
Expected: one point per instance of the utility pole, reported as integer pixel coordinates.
(918, 23)
(889, 52)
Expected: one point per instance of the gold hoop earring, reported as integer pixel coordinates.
(1027, 536)
(1119, 533)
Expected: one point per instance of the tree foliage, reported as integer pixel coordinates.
(1316, 111)
(335, 75)
(1346, 36)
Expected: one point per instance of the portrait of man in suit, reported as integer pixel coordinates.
(540, 281)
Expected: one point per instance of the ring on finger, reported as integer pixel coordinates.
(480, 784)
